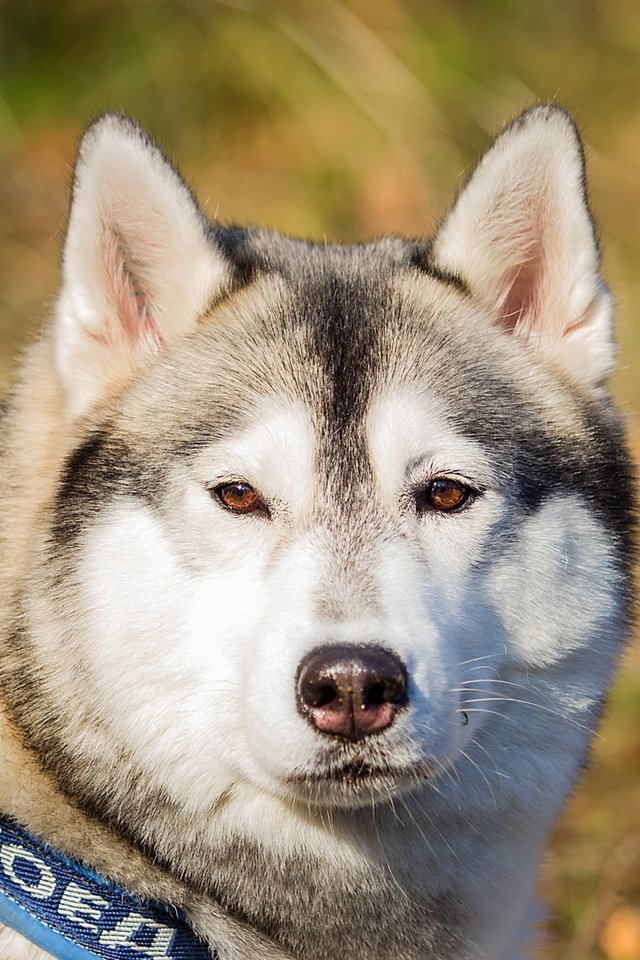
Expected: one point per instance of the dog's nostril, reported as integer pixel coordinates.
(351, 691)
(374, 695)
(322, 695)
(390, 690)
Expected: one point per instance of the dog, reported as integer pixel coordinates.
(316, 563)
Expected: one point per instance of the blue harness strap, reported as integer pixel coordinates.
(74, 914)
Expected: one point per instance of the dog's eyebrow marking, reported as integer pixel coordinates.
(274, 450)
(78, 459)
(409, 431)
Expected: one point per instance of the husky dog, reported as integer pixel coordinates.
(315, 558)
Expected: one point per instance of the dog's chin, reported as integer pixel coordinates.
(357, 784)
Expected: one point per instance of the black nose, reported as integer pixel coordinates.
(351, 692)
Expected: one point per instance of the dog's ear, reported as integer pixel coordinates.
(139, 264)
(521, 237)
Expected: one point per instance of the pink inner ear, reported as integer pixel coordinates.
(126, 290)
(523, 295)
(586, 318)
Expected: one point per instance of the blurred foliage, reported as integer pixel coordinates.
(348, 119)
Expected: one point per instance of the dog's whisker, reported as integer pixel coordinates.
(529, 703)
(488, 656)
(481, 772)
(476, 743)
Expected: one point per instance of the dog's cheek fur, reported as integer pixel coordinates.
(168, 640)
(562, 561)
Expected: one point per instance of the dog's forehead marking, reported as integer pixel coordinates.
(406, 427)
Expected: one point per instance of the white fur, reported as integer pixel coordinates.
(563, 561)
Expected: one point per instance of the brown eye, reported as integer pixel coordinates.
(444, 495)
(240, 498)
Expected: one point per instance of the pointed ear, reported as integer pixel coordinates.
(521, 236)
(139, 264)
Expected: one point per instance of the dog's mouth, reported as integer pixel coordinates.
(361, 773)
(358, 781)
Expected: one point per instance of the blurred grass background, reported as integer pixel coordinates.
(346, 120)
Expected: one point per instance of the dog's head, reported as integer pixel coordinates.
(331, 508)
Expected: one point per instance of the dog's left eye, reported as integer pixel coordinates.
(443, 494)
(240, 497)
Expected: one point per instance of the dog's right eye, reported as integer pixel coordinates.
(444, 495)
(240, 497)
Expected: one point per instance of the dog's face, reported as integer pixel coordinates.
(332, 508)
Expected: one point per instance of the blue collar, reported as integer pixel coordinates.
(74, 914)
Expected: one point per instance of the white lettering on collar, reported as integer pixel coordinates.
(82, 907)
(122, 935)
(44, 887)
